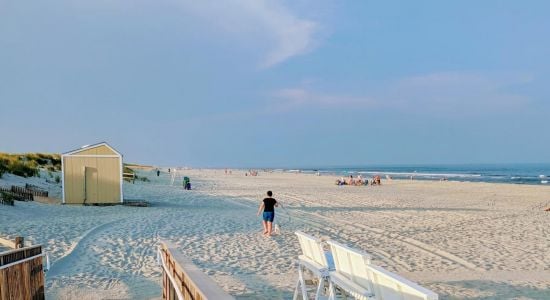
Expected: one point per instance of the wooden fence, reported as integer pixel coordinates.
(35, 190)
(18, 193)
(182, 280)
(21, 272)
(26, 193)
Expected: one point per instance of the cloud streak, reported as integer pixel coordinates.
(265, 24)
(444, 93)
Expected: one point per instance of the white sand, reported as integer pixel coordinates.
(462, 240)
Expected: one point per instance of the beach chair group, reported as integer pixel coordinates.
(350, 274)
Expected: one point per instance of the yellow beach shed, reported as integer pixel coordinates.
(92, 175)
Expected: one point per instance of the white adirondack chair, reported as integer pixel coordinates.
(389, 286)
(359, 278)
(351, 274)
(314, 259)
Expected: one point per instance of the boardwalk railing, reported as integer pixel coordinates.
(182, 280)
(21, 272)
(129, 177)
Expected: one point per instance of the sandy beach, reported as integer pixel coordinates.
(462, 240)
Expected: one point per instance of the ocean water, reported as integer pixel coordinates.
(503, 173)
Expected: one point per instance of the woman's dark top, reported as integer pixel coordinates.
(269, 204)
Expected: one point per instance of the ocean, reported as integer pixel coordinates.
(503, 173)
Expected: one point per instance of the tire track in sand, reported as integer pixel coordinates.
(305, 218)
(407, 241)
(77, 249)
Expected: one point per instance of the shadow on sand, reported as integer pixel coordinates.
(497, 290)
(370, 208)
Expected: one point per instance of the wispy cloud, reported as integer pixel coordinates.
(281, 33)
(460, 91)
(443, 93)
(291, 98)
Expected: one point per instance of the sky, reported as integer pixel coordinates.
(261, 83)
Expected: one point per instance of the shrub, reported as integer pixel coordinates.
(7, 197)
(42, 161)
(23, 169)
(3, 166)
(27, 164)
(142, 178)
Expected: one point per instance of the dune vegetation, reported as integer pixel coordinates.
(28, 164)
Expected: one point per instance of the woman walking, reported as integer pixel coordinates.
(268, 206)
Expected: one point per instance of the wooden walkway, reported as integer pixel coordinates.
(182, 280)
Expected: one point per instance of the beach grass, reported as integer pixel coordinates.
(28, 164)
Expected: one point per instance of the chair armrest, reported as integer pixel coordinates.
(350, 286)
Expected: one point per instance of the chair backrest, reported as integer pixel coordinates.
(389, 286)
(312, 248)
(352, 264)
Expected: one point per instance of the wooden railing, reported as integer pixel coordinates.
(130, 177)
(182, 280)
(21, 272)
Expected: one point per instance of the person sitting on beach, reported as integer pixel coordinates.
(268, 206)
(351, 180)
(359, 180)
(341, 181)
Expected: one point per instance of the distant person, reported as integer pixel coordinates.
(186, 183)
(268, 206)
(158, 173)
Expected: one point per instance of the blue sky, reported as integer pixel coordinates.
(278, 83)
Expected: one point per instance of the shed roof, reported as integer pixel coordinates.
(88, 147)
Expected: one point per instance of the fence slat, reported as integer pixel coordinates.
(23, 280)
(23, 194)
